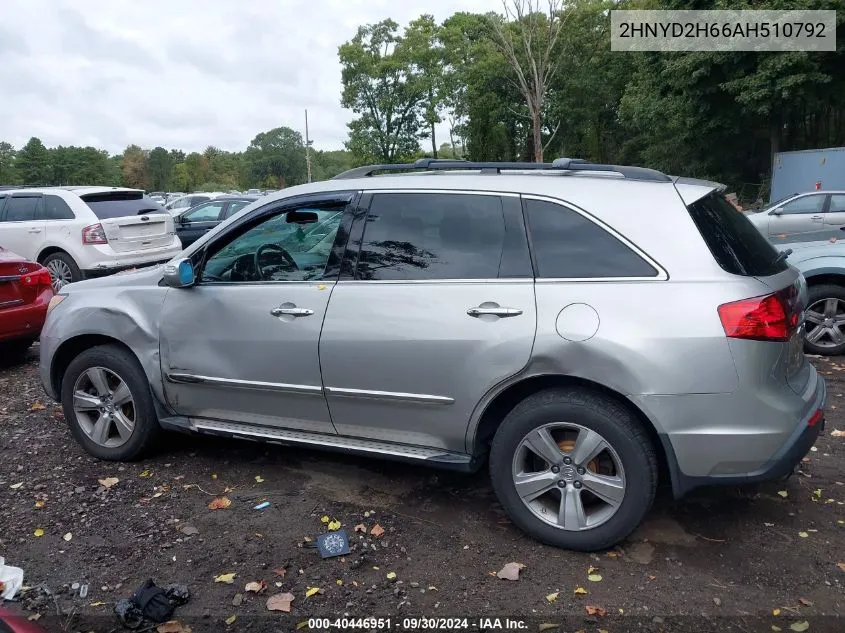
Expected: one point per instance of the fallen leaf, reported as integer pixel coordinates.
(146, 474)
(38, 532)
(377, 530)
(376, 567)
(97, 604)
(803, 534)
(228, 578)
(301, 625)
(783, 493)
(841, 566)
(230, 620)
(837, 433)
(334, 525)
(311, 591)
(805, 602)
(214, 475)
(280, 602)
(817, 493)
(360, 528)
(219, 503)
(280, 572)
(34, 617)
(108, 482)
(391, 575)
(651, 577)
(775, 611)
(256, 586)
(593, 610)
(228, 489)
(580, 591)
(339, 582)
(37, 406)
(612, 554)
(173, 626)
(776, 628)
(324, 519)
(547, 626)
(594, 577)
(259, 479)
(67, 536)
(592, 570)
(552, 597)
(16, 486)
(510, 571)
(40, 503)
(803, 625)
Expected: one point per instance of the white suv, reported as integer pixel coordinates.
(78, 232)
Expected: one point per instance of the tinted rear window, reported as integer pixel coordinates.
(119, 204)
(736, 244)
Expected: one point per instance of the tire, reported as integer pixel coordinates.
(592, 413)
(825, 346)
(62, 263)
(120, 363)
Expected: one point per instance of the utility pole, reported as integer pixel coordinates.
(307, 147)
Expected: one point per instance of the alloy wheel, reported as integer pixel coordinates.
(104, 407)
(568, 476)
(60, 274)
(825, 323)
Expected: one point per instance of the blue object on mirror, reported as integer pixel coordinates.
(186, 272)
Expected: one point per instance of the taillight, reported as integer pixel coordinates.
(758, 318)
(94, 234)
(40, 278)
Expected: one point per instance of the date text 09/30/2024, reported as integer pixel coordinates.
(417, 624)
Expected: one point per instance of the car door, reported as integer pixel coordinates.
(437, 309)
(196, 222)
(242, 344)
(22, 226)
(834, 216)
(799, 220)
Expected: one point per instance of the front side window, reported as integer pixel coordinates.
(568, 245)
(19, 209)
(837, 203)
(804, 204)
(56, 209)
(209, 212)
(425, 236)
(294, 245)
(236, 206)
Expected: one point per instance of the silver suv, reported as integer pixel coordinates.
(585, 329)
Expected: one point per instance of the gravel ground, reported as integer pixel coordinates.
(755, 559)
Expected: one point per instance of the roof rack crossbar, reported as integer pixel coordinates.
(560, 164)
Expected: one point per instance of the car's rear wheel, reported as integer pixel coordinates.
(63, 270)
(825, 320)
(107, 402)
(574, 469)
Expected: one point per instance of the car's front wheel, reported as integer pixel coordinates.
(824, 320)
(107, 402)
(574, 469)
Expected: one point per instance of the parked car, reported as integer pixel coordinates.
(253, 192)
(803, 217)
(15, 622)
(183, 203)
(78, 232)
(25, 291)
(530, 320)
(197, 221)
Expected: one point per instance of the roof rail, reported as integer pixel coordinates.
(559, 164)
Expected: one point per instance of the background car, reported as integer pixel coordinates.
(803, 217)
(183, 203)
(78, 232)
(25, 293)
(197, 221)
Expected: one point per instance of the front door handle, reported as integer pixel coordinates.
(34, 230)
(816, 218)
(494, 311)
(290, 310)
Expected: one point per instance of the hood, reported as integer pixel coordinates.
(802, 251)
(147, 276)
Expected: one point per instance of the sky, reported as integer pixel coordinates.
(182, 74)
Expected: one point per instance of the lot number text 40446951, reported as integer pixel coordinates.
(417, 624)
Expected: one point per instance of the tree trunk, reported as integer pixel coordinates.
(774, 140)
(536, 124)
(433, 142)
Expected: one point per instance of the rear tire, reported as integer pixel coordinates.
(117, 441)
(63, 270)
(818, 296)
(632, 464)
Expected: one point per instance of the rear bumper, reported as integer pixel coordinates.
(111, 262)
(24, 321)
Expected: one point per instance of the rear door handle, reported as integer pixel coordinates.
(291, 311)
(497, 311)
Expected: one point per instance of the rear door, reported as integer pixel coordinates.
(799, 220)
(434, 310)
(132, 221)
(22, 227)
(193, 224)
(834, 217)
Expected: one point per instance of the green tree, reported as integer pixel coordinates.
(8, 175)
(32, 163)
(328, 164)
(278, 154)
(425, 55)
(160, 165)
(180, 178)
(381, 86)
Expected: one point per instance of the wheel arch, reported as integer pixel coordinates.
(835, 277)
(73, 347)
(51, 250)
(480, 434)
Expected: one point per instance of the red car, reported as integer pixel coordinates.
(25, 293)
(11, 622)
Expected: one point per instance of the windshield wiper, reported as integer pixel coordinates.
(781, 256)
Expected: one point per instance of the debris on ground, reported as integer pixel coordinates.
(219, 503)
(377, 530)
(280, 602)
(333, 544)
(262, 505)
(11, 580)
(641, 553)
(510, 571)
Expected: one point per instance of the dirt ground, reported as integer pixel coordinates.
(720, 560)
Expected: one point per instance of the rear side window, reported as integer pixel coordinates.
(119, 204)
(56, 209)
(568, 245)
(736, 244)
(432, 236)
(21, 209)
